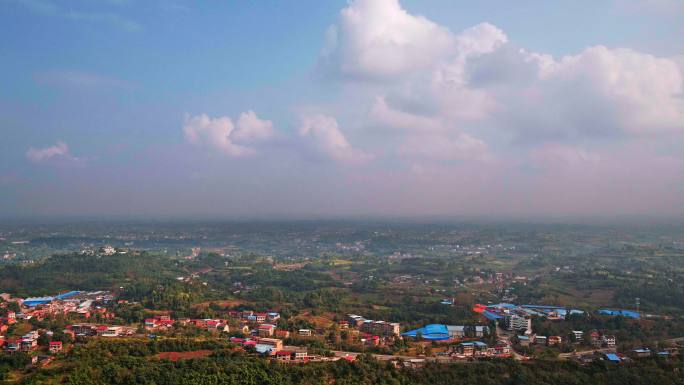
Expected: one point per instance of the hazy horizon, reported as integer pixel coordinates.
(601, 221)
(450, 110)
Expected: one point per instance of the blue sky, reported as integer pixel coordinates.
(336, 108)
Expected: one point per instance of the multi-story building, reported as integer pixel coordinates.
(519, 323)
(609, 341)
(480, 330)
(355, 320)
(380, 328)
(456, 331)
(275, 343)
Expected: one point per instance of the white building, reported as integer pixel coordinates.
(519, 323)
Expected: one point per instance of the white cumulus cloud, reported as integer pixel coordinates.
(378, 39)
(222, 135)
(324, 135)
(250, 128)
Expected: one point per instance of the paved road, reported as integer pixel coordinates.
(388, 357)
(577, 353)
(505, 337)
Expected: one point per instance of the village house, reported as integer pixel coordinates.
(578, 334)
(524, 340)
(555, 340)
(355, 320)
(10, 319)
(266, 330)
(641, 353)
(305, 332)
(254, 317)
(111, 331)
(284, 355)
(273, 316)
(298, 355)
(502, 350)
(159, 321)
(260, 317)
(471, 349)
(274, 343)
(217, 325)
(13, 345)
(28, 344)
(55, 347)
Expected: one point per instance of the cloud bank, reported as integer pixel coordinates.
(449, 94)
(474, 115)
(419, 119)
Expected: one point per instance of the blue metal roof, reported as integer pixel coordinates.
(69, 294)
(613, 357)
(543, 307)
(35, 301)
(491, 316)
(624, 313)
(430, 332)
(474, 343)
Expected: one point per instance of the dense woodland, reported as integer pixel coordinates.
(103, 364)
